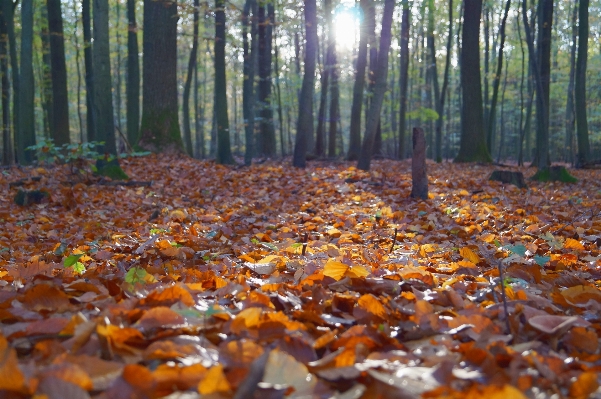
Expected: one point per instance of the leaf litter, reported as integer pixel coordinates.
(270, 281)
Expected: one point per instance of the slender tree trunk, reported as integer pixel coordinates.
(26, 86)
(224, 151)
(381, 77)
(403, 78)
(103, 102)
(304, 128)
(188, 84)
(473, 139)
(250, 56)
(334, 114)
(434, 78)
(580, 91)
(78, 68)
(497, 77)
(87, 54)
(8, 8)
(502, 124)
(279, 94)
(7, 145)
(486, 12)
(570, 111)
(133, 75)
(440, 103)
(267, 144)
(60, 99)
(320, 136)
(117, 67)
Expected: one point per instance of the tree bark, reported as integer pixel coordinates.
(224, 151)
(8, 9)
(320, 135)
(304, 128)
(403, 78)
(87, 55)
(381, 77)
(60, 131)
(250, 58)
(188, 84)
(497, 77)
(7, 153)
(419, 175)
(580, 92)
(26, 86)
(570, 111)
(267, 144)
(103, 104)
(133, 75)
(440, 103)
(159, 129)
(334, 114)
(473, 140)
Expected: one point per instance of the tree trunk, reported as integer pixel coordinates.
(570, 111)
(497, 77)
(7, 154)
(188, 84)
(334, 114)
(87, 55)
(381, 77)
(103, 104)
(159, 129)
(486, 12)
(403, 78)
(78, 69)
(26, 86)
(304, 128)
(419, 175)
(279, 94)
(267, 144)
(8, 8)
(580, 92)
(434, 77)
(224, 151)
(545, 24)
(358, 88)
(320, 135)
(473, 140)
(250, 57)
(440, 103)
(60, 131)
(133, 75)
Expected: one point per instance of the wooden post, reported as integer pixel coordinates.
(418, 165)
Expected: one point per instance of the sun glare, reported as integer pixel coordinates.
(346, 26)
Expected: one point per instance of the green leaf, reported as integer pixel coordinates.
(135, 275)
(72, 259)
(517, 249)
(269, 245)
(497, 244)
(541, 260)
(79, 267)
(61, 249)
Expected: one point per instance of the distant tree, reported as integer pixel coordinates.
(320, 135)
(403, 79)
(334, 114)
(60, 131)
(358, 88)
(89, 67)
(224, 151)
(188, 84)
(250, 58)
(266, 139)
(8, 12)
(304, 129)
(103, 102)
(159, 128)
(7, 153)
(440, 98)
(26, 134)
(580, 91)
(133, 75)
(381, 76)
(45, 82)
(473, 140)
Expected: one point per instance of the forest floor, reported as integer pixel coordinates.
(201, 284)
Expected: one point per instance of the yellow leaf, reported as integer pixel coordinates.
(488, 238)
(214, 381)
(270, 259)
(334, 233)
(248, 318)
(372, 305)
(356, 272)
(335, 269)
(570, 243)
(470, 255)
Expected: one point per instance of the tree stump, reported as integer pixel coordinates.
(509, 177)
(554, 173)
(418, 165)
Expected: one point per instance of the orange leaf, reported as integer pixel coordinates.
(11, 378)
(214, 381)
(570, 243)
(584, 385)
(335, 269)
(357, 271)
(372, 305)
(581, 294)
(470, 255)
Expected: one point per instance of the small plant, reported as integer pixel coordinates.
(46, 152)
